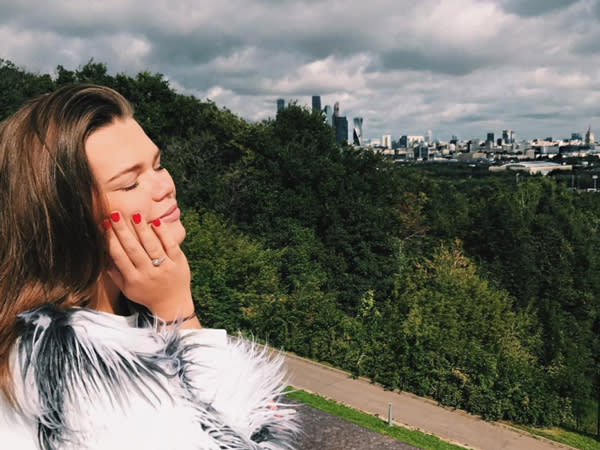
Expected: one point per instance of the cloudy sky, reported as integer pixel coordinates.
(461, 67)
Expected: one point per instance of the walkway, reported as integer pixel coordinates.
(409, 410)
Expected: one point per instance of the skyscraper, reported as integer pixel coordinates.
(316, 103)
(280, 104)
(329, 115)
(386, 141)
(508, 136)
(589, 136)
(357, 131)
(341, 129)
(429, 137)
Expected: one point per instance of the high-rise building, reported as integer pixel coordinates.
(489, 138)
(429, 137)
(280, 104)
(336, 110)
(316, 103)
(386, 141)
(576, 137)
(589, 136)
(329, 115)
(341, 129)
(357, 131)
(508, 137)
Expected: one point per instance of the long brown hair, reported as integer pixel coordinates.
(51, 245)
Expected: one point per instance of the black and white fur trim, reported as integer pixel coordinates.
(90, 382)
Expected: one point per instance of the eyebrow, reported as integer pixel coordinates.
(134, 168)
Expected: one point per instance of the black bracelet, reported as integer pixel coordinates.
(179, 320)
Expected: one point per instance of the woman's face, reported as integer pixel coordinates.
(126, 164)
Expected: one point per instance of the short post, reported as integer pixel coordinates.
(389, 414)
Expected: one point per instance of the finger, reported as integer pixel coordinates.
(149, 240)
(117, 253)
(169, 244)
(128, 240)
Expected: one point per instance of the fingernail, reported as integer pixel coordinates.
(115, 216)
(106, 224)
(137, 218)
(156, 222)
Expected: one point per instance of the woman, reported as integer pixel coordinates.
(99, 344)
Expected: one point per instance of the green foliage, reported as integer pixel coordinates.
(18, 85)
(231, 273)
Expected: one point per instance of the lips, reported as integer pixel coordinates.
(171, 215)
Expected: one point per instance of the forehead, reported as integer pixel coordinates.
(117, 146)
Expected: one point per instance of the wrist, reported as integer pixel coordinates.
(172, 311)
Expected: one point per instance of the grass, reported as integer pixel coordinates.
(412, 437)
(577, 440)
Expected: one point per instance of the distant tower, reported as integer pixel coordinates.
(357, 133)
(316, 103)
(429, 137)
(490, 138)
(329, 115)
(341, 129)
(386, 141)
(336, 110)
(280, 104)
(589, 136)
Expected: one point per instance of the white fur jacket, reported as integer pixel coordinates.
(88, 380)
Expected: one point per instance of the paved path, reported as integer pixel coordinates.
(409, 410)
(323, 431)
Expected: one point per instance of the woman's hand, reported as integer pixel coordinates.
(163, 286)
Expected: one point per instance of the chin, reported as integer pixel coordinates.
(178, 231)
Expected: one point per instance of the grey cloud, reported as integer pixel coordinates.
(532, 8)
(433, 60)
(197, 48)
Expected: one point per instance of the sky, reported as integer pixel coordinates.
(456, 67)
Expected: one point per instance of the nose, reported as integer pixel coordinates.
(163, 185)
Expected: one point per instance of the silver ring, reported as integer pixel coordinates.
(158, 261)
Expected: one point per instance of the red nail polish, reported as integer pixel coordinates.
(115, 216)
(106, 224)
(137, 218)
(156, 222)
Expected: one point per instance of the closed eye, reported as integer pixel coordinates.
(129, 188)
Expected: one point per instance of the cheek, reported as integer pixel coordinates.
(130, 202)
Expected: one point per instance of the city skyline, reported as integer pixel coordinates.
(507, 135)
(461, 67)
